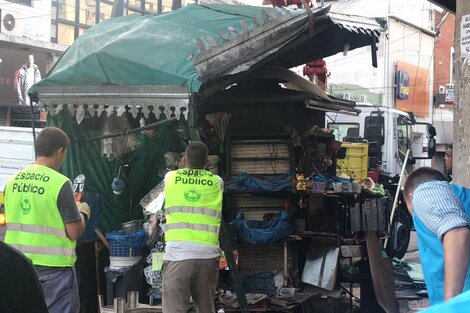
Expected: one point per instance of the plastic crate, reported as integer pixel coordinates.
(118, 249)
(355, 164)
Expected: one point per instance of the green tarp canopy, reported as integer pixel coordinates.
(199, 43)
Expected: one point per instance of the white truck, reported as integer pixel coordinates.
(16, 153)
(389, 133)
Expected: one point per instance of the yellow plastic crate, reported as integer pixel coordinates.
(355, 164)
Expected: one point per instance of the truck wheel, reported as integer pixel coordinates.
(400, 233)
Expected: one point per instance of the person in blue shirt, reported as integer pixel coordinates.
(441, 214)
(458, 304)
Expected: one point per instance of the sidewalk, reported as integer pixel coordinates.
(410, 306)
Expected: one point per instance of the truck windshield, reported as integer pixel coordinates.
(344, 130)
(404, 133)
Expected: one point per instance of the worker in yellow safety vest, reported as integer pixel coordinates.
(193, 211)
(43, 221)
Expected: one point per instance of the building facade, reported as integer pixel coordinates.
(35, 33)
(71, 18)
(26, 55)
(415, 56)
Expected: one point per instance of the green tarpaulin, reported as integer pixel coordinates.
(140, 175)
(155, 49)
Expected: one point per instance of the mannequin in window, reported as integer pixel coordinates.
(28, 75)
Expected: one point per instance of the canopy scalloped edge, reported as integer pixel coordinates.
(162, 111)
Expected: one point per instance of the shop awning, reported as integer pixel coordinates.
(198, 44)
(174, 100)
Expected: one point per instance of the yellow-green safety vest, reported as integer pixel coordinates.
(193, 206)
(34, 224)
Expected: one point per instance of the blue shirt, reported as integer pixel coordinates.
(459, 304)
(437, 208)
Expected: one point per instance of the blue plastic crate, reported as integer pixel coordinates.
(118, 249)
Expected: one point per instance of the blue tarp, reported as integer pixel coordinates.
(246, 182)
(263, 232)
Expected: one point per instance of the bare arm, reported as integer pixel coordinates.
(73, 220)
(456, 258)
(75, 229)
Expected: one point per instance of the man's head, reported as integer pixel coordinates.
(418, 176)
(30, 60)
(51, 145)
(448, 160)
(195, 155)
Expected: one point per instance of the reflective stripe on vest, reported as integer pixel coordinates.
(193, 206)
(37, 229)
(193, 210)
(34, 223)
(202, 227)
(44, 250)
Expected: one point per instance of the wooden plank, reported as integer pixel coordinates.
(382, 274)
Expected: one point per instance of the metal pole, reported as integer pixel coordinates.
(397, 193)
(32, 120)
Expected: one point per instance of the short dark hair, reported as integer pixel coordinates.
(196, 154)
(49, 140)
(420, 175)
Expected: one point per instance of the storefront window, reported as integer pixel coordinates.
(81, 31)
(151, 6)
(66, 34)
(25, 2)
(54, 31)
(133, 12)
(105, 11)
(166, 5)
(135, 5)
(54, 11)
(66, 9)
(87, 12)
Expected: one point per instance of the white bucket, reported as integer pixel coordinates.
(117, 262)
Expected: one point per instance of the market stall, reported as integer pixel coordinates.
(131, 98)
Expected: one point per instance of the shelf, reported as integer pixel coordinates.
(261, 193)
(291, 192)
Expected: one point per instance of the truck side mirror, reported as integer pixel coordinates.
(431, 131)
(431, 146)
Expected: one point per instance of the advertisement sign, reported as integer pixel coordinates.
(412, 93)
(19, 70)
(465, 36)
(403, 84)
